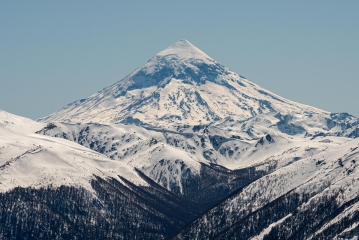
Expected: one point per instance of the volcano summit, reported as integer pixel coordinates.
(182, 85)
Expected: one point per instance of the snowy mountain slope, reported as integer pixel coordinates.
(177, 160)
(28, 159)
(18, 125)
(313, 198)
(133, 146)
(172, 159)
(54, 188)
(181, 85)
(295, 177)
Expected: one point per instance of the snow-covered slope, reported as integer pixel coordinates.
(172, 158)
(52, 188)
(315, 197)
(134, 146)
(297, 178)
(32, 160)
(181, 85)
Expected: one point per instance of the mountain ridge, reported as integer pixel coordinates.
(181, 85)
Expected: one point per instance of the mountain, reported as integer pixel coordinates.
(282, 187)
(182, 85)
(31, 160)
(315, 197)
(171, 158)
(51, 188)
(182, 148)
(200, 164)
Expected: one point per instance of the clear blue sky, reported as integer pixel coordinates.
(55, 52)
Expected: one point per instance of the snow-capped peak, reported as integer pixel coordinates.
(178, 57)
(183, 49)
(182, 85)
